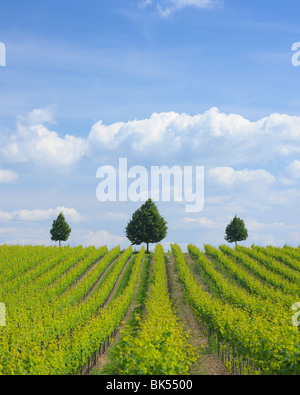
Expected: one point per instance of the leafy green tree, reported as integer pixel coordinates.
(60, 229)
(146, 226)
(236, 231)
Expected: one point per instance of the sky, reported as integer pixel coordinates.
(199, 83)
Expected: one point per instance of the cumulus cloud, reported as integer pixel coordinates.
(33, 141)
(14, 236)
(293, 170)
(290, 175)
(227, 176)
(255, 226)
(201, 222)
(101, 238)
(212, 138)
(40, 116)
(41, 215)
(270, 233)
(7, 176)
(241, 158)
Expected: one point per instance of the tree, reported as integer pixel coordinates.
(60, 229)
(146, 225)
(236, 231)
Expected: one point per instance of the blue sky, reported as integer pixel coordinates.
(161, 82)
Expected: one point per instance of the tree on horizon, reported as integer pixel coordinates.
(60, 229)
(146, 226)
(236, 231)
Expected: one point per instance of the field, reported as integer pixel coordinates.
(75, 310)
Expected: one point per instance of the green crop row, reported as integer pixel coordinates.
(257, 343)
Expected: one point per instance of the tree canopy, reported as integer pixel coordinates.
(60, 229)
(146, 226)
(236, 231)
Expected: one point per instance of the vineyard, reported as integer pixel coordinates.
(67, 307)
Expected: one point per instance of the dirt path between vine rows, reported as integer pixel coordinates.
(207, 363)
(103, 359)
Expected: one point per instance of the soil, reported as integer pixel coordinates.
(103, 359)
(207, 363)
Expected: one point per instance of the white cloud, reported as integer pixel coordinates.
(211, 138)
(140, 134)
(202, 222)
(291, 174)
(33, 141)
(268, 233)
(31, 236)
(41, 115)
(7, 216)
(234, 150)
(40, 215)
(7, 176)
(254, 226)
(227, 176)
(264, 239)
(101, 238)
(293, 170)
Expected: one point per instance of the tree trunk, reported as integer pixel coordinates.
(59, 243)
(147, 248)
